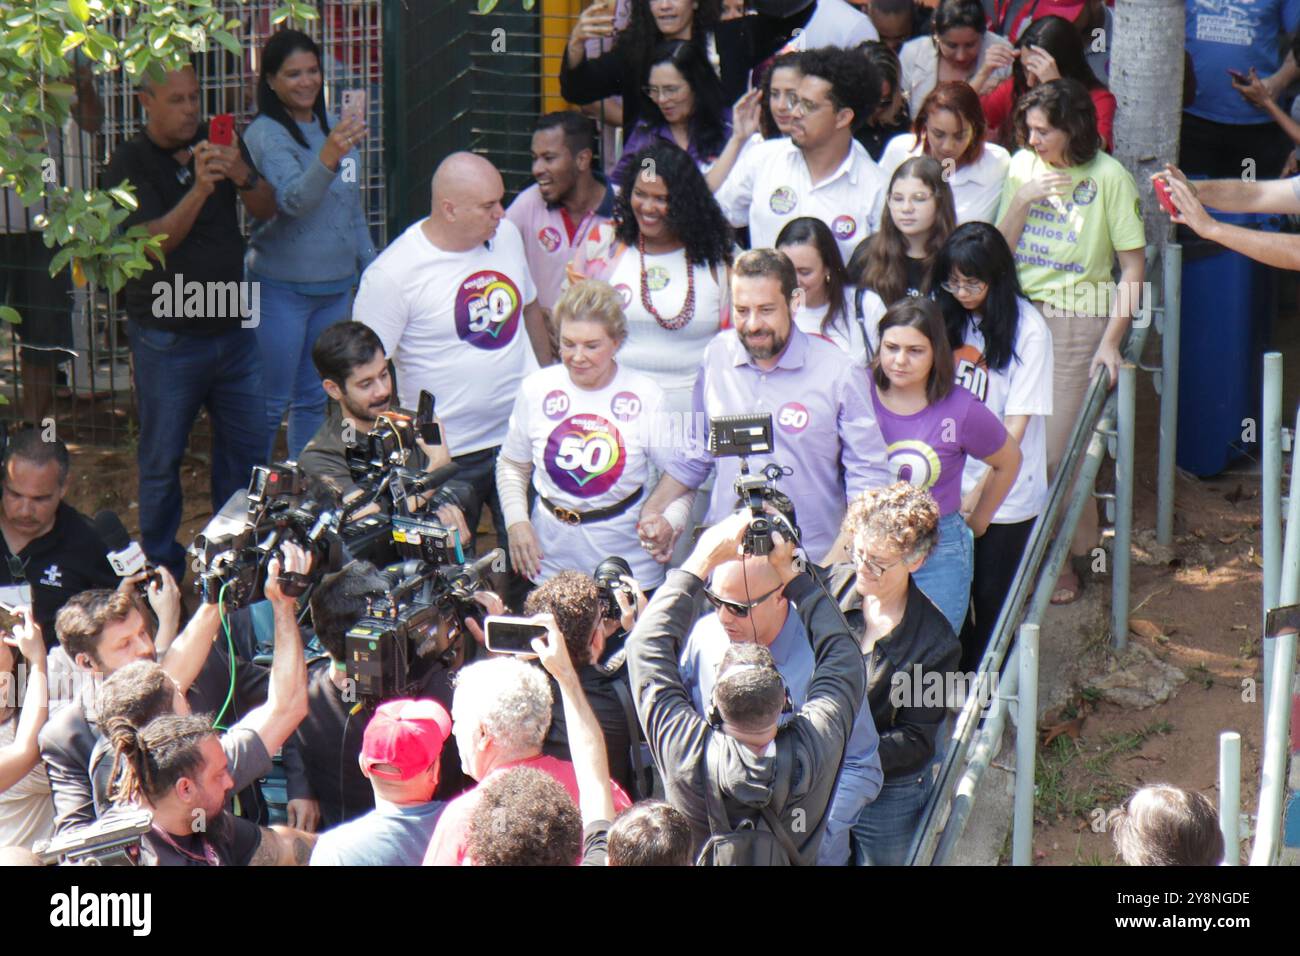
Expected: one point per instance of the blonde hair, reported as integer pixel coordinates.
(902, 515)
(592, 300)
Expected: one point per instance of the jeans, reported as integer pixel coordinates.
(946, 575)
(175, 376)
(886, 826)
(287, 329)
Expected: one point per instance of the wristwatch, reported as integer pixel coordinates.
(253, 179)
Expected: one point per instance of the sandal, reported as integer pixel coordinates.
(1068, 587)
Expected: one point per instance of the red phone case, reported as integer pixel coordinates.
(1162, 194)
(221, 132)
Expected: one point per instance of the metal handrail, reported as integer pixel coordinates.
(946, 811)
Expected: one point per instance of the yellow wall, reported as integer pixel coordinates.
(557, 20)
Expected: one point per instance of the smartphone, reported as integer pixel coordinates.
(221, 131)
(354, 105)
(511, 635)
(430, 433)
(1165, 199)
(1239, 77)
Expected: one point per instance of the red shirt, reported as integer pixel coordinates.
(450, 844)
(999, 104)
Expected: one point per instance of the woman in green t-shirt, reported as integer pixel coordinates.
(1068, 210)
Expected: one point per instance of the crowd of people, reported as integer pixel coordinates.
(897, 231)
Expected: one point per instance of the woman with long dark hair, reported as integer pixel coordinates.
(827, 306)
(891, 117)
(895, 263)
(682, 104)
(949, 128)
(780, 85)
(957, 50)
(930, 428)
(667, 253)
(1051, 48)
(623, 70)
(1069, 210)
(309, 256)
(1003, 356)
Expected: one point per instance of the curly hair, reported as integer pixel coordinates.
(574, 600)
(1168, 826)
(509, 700)
(524, 817)
(1067, 106)
(651, 833)
(637, 41)
(902, 516)
(694, 216)
(709, 128)
(854, 80)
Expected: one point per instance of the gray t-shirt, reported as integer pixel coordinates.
(388, 835)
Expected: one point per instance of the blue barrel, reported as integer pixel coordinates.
(1228, 307)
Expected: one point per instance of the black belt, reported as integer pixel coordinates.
(575, 518)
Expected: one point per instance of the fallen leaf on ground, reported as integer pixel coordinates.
(1229, 538)
(1239, 627)
(1144, 628)
(1071, 729)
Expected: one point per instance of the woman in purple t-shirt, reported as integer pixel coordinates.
(929, 427)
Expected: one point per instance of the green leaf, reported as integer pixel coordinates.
(72, 41)
(10, 315)
(280, 14)
(486, 6)
(229, 42)
(124, 197)
(60, 260)
(80, 9)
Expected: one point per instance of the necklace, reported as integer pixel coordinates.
(679, 320)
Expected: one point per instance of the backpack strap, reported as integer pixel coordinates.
(641, 786)
(713, 805)
(718, 821)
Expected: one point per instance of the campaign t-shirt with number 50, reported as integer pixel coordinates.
(589, 450)
(453, 323)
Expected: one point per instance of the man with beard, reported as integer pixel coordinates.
(354, 372)
(824, 430)
(568, 200)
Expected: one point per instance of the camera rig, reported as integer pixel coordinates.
(739, 436)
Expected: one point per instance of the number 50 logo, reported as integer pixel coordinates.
(792, 417)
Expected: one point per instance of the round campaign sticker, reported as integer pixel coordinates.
(792, 418)
(844, 227)
(549, 238)
(783, 200)
(914, 462)
(624, 293)
(487, 310)
(656, 278)
(555, 404)
(585, 456)
(625, 406)
(1084, 193)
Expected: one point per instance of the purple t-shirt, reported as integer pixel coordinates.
(929, 448)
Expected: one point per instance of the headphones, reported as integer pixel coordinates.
(714, 714)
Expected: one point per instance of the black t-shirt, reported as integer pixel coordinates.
(228, 841)
(212, 251)
(66, 561)
(915, 275)
(599, 688)
(321, 756)
(875, 138)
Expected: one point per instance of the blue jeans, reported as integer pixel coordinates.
(175, 376)
(887, 824)
(946, 575)
(289, 325)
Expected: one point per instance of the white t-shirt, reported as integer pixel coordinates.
(671, 356)
(590, 450)
(976, 189)
(1023, 388)
(770, 185)
(835, 23)
(846, 333)
(26, 809)
(453, 323)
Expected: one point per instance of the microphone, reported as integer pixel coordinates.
(125, 555)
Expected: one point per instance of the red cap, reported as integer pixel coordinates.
(407, 734)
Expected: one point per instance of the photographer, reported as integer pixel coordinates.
(354, 372)
(25, 812)
(739, 761)
(325, 783)
(574, 600)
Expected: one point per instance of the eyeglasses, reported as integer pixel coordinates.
(738, 610)
(806, 107)
(876, 570)
(974, 287)
(662, 92)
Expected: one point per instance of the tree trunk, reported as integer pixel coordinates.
(1146, 76)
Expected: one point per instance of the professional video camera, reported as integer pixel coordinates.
(419, 621)
(739, 436)
(112, 840)
(280, 508)
(382, 461)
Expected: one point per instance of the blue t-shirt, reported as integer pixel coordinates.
(386, 836)
(1234, 34)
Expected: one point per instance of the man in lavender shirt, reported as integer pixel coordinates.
(824, 429)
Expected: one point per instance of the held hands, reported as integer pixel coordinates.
(657, 536)
(525, 550)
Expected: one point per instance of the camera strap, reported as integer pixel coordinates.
(642, 784)
(570, 517)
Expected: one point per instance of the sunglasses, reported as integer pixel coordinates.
(738, 610)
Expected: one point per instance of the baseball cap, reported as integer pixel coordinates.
(408, 734)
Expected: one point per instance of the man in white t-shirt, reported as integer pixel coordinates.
(821, 170)
(454, 303)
